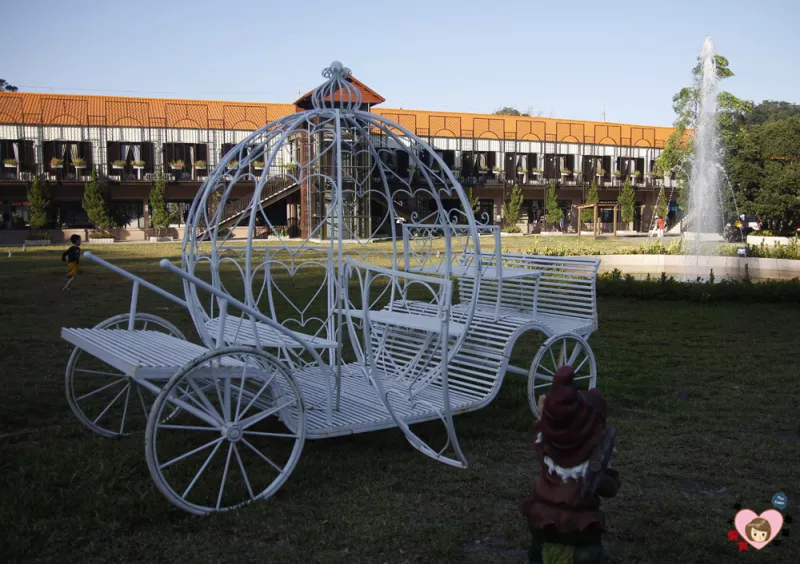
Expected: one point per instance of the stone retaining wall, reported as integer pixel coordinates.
(679, 265)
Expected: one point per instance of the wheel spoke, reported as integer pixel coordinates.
(241, 390)
(555, 363)
(244, 473)
(186, 427)
(264, 458)
(543, 367)
(224, 475)
(575, 352)
(262, 434)
(125, 409)
(255, 397)
(542, 385)
(98, 390)
(585, 359)
(113, 401)
(191, 452)
(141, 399)
(253, 419)
(204, 399)
(562, 353)
(202, 468)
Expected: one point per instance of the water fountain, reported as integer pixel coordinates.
(704, 183)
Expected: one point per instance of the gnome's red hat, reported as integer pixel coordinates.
(572, 422)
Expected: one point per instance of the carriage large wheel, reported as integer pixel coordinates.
(237, 437)
(557, 351)
(105, 400)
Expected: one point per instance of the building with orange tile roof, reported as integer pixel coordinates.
(129, 140)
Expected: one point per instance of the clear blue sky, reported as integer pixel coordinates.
(565, 59)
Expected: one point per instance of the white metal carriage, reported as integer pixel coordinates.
(386, 312)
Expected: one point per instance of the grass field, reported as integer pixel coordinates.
(66, 496)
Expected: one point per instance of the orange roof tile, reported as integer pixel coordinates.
(109, 111)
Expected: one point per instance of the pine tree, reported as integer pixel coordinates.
(38, 204)
(554, 213)
(159, 214)
(661, 205)
(511, 210)
(95, 203)
(587, 214)
(627, 200)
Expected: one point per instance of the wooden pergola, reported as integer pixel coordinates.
(598, 206)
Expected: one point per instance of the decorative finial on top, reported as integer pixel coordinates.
(337, 91)
(336, 70)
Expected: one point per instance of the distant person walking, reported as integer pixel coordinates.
(74, 256)
(660, 227)
(561, 224)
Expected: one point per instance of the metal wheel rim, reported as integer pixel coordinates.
(539, 381)
(130, 391)
(234, 464)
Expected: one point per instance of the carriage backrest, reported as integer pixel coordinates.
(567, 285)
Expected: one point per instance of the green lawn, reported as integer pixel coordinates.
(66, 496)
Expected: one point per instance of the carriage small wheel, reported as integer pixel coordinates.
(237, 436)
(557, 351)
(106, 401)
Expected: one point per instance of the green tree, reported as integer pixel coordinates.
(627, 200)
(554, 213)
(39, 204)
(95, 202)
(686, 104)
(474, 203)
(6, 87)
(159, 214)
(661, 204)
(511, 209)
(510, 111)
(587, 215)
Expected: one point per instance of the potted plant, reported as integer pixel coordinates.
(498, 171)
(79, 162)
(10, 163)
(484, 169)
(520, 171)
(138, 164)
(118, 165)
(290, 166)
(200, 165)
(577, 172)
(258, 165)
(537, 171)
(637, 175)
(617, 173)
(565, 172)
(176, 165)
(601, 172)
(232, 164)
(56, 163)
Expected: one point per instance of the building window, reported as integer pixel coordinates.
(128, 213)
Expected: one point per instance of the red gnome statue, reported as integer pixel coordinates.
(574, 450)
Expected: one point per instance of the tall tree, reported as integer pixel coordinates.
(661, 204)
(39, 204)
(511, 209)
(587, 215)
(686, 104)
(5, 86)
(554, 213)
(627, 200)
(95, 202)
(159, 214)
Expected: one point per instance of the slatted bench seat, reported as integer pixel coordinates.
(565, 299)
(140, 354)
(240, 331)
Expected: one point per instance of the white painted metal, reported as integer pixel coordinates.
(420, 354)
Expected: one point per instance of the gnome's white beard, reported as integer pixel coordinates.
(564, 473)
